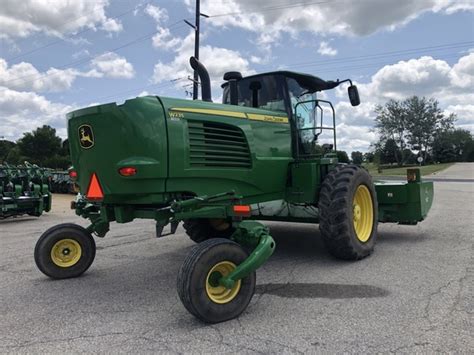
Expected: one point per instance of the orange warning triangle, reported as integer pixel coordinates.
(94, 192)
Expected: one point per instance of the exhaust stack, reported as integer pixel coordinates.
(204, 76)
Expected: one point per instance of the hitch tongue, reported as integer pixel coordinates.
(250, 233)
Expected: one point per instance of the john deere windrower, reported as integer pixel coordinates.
(260, 155)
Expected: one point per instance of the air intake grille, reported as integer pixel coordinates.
(215, 144)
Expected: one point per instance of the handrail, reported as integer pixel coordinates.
(315, 127)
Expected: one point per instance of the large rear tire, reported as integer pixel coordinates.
(198, 286)
(201, 229)
(348, 213)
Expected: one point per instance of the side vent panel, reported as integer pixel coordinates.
(214, 144)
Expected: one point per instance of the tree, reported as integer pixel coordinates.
(468, 154)
(391, 124)
(410, 157)
(357, 157)
(424, 121)
(369, 157)
(412, 123)
(451, 146)
(389, 152)
(5, 148)
(342, 156)
(40, 145)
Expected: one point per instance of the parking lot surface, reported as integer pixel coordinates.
(414, 294)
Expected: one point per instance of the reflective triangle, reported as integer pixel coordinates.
(95, 191)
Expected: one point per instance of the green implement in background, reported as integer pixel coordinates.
(24, 189)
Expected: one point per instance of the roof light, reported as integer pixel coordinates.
(94, 192)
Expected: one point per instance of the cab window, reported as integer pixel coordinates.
(269, 93)
(303, 114)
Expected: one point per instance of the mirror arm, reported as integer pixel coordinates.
(345, 81)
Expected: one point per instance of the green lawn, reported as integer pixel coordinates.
(425, 170)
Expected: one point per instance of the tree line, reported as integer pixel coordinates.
(41, 146)
(417, 127)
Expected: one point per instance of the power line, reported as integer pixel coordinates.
(122, 93)
(366, 66)
(384, 54)
(52, 43)
(91, 58)
(141, 88)
(274, 8)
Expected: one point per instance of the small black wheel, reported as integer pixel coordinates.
(64, 251)
(348, 213)
(201, 229)
(197, 283)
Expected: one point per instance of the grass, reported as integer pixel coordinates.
(425, 170)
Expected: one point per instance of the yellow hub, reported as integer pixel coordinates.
(66, 252)
(217, 293)
(363, 213)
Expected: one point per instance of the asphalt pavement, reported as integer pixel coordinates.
(414, 294)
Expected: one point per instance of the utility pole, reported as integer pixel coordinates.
(196, 27)
(196, 47)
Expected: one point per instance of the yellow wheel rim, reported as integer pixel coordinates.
(66, 253)
(217, 293)
(363, 213)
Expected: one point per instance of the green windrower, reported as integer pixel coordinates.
(268, 152)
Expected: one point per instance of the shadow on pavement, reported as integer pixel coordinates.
(17, 219)
(321, 290)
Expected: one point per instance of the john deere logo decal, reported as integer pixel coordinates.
(86, 137)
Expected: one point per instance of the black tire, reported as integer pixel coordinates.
(194, 274)
(337, 213)
(201, 229)
(74, 251)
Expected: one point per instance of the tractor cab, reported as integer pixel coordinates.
(294, 94)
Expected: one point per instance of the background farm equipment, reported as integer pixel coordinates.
(24, 189)
(62, 182)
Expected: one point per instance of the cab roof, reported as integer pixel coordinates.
(309, 82)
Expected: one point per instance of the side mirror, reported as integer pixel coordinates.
(353, 95)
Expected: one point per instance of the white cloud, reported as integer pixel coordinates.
(325, 49)
(352, 137)
(216, 59)
(342, 17)
(423, 76)
(111, 25)
(111, 65)
(462, 74)
(160, 15)
(23, 111)
(163, 39)
(81, 54)
(25, 77)
(53, 17)
(257, 60)
(452, 86)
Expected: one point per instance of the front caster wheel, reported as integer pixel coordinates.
(198, 286)
(64, 251)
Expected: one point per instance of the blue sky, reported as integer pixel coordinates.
(65, 55)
